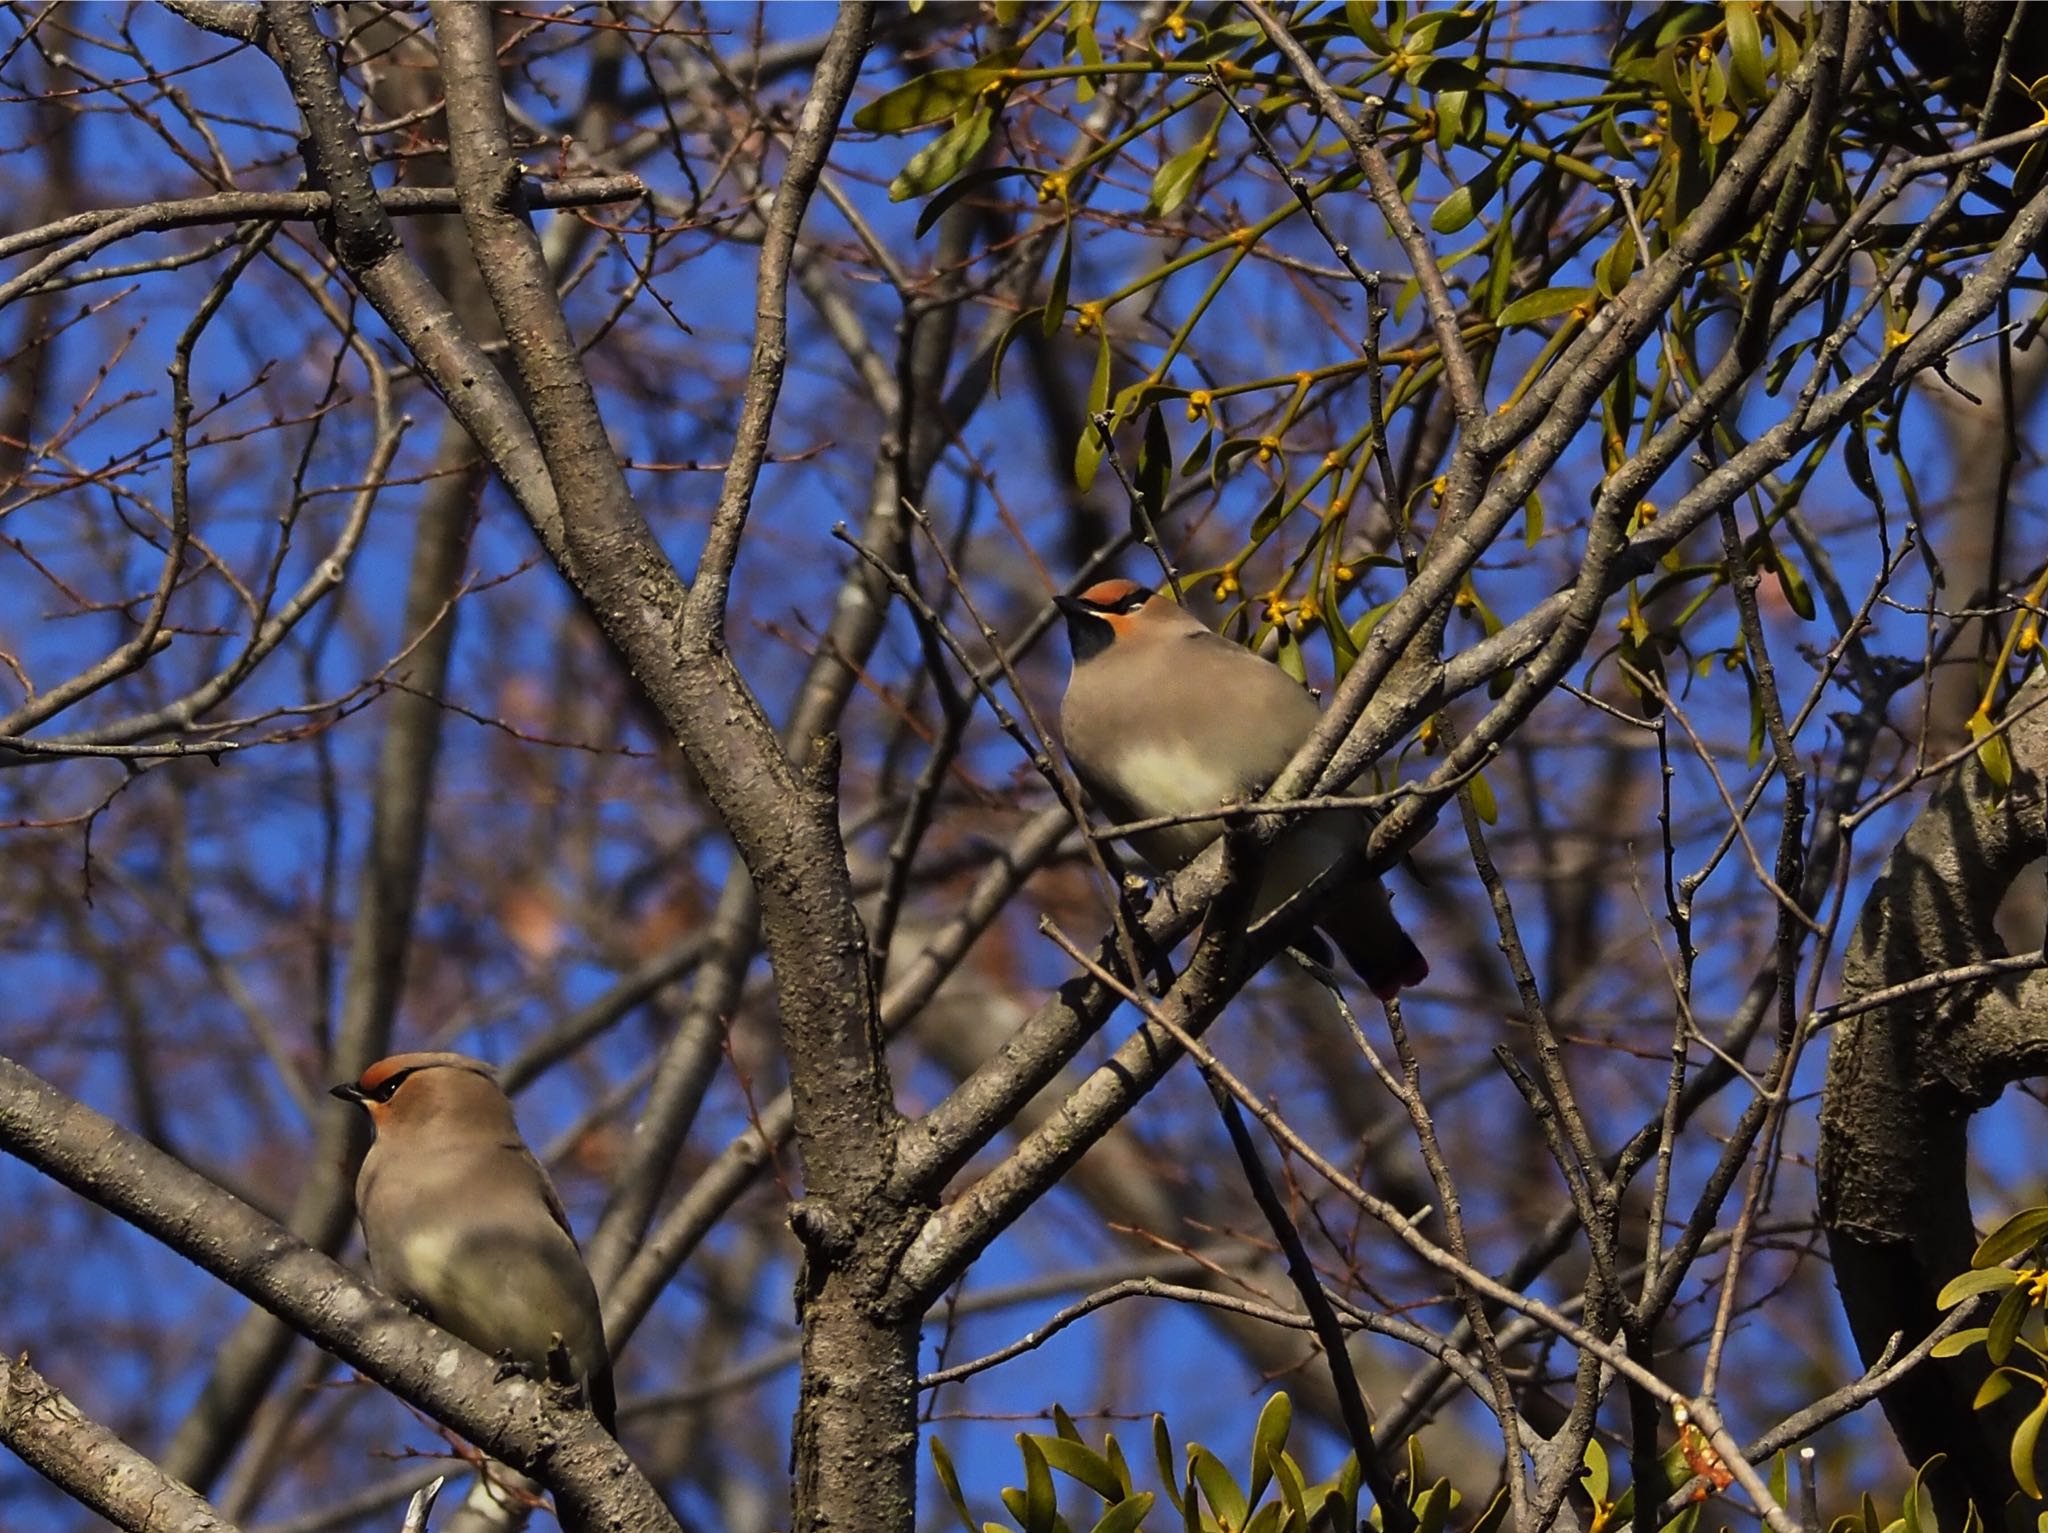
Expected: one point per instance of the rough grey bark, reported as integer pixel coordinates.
(72, 1451)
(1980, 541)
(855, 1437)
(1905, 1076)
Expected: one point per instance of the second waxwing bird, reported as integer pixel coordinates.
(1163, 716)
(463, 1225)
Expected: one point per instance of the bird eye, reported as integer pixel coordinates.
(383, 1091)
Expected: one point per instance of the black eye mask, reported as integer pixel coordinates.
(1124, 605)
(383, 1091)
(1088, 628)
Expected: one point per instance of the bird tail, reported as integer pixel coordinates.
(604, 1401)
(1372, 941)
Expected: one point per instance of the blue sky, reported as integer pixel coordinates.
(253, 836)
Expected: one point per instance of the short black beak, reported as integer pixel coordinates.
(348, 1091)
(1071, 606)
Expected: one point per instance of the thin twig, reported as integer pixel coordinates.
(56, 750)
(1459, 373)
(1143, 512)
(1228, 1090)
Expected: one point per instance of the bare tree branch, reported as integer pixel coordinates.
(102, 1162)
(57, 1440)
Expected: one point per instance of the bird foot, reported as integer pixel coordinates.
(508, 1367)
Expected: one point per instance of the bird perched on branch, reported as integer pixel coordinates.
(1162, 716)
(463, 1225)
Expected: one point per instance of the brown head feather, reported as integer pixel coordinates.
(413, 1088)
(1109, 593)
(399, 1064)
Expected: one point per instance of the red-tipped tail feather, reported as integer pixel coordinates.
(1372, 942)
